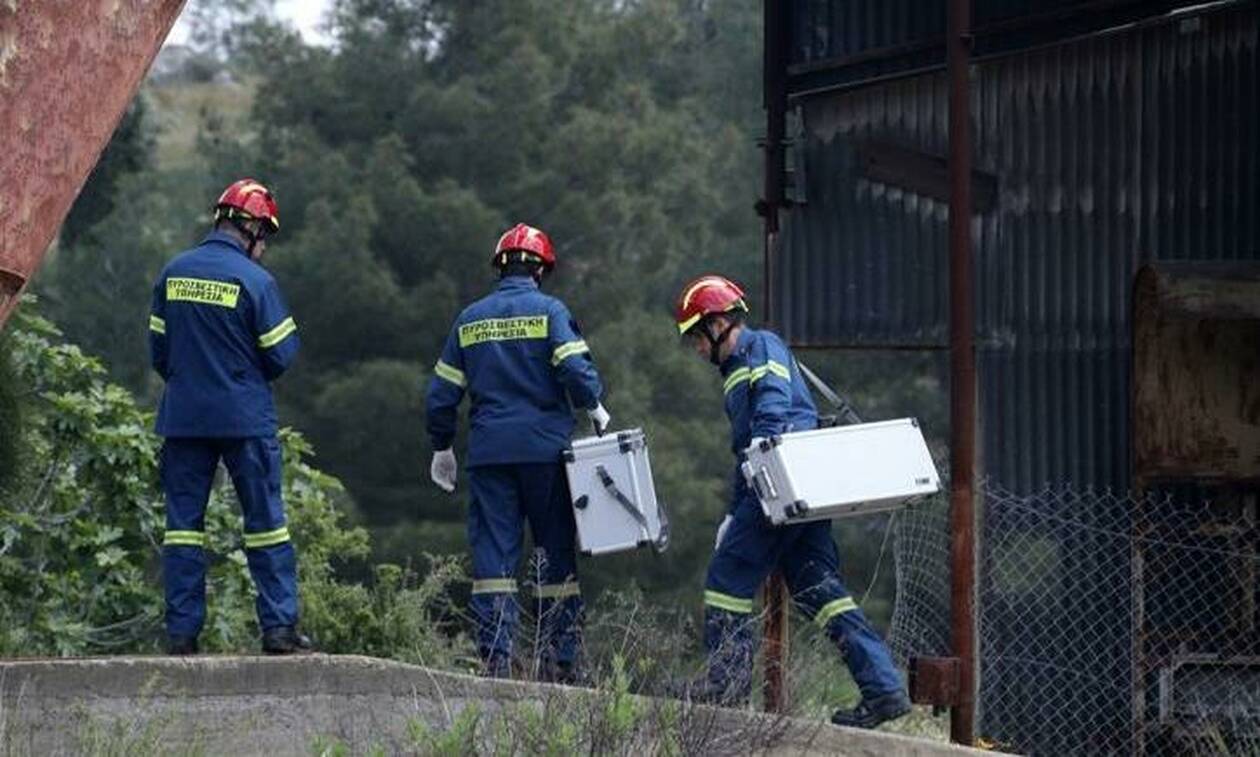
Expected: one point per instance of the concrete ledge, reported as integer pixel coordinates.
(285, 705)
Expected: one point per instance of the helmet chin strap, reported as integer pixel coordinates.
(715, 342)
(245, 232)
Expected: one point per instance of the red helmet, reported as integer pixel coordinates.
(247, 200)
(526, 239)
(707, 295)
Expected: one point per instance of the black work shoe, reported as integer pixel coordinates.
(285, 640)
(181, 645)
(565, 673)
(871, 712)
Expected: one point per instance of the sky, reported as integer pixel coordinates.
(304, 14)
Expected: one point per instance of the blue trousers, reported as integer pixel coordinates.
(187, 472)
(807, 556)
(503, 498)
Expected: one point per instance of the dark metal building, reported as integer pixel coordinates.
(1106, 135)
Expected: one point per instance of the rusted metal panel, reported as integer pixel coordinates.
(68, 68)
(935, 681)
(1196, 372)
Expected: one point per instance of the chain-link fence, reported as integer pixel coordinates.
(1108, 623)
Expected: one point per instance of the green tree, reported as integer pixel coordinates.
(641, 167)
(130, 151)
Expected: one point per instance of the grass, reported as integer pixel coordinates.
(180, 108)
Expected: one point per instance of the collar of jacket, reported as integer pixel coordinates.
(734, 359)
(224, 238)
(517, 284)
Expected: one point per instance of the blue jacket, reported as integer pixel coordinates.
(218, 332)
(515, 352)
(765, 394)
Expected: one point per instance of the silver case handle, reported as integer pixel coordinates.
(763, 484)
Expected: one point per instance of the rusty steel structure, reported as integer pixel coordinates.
(962, 378)
(1196, 428)
(777, 599)
(1196, 372)
(1104, 135)
(68, 69)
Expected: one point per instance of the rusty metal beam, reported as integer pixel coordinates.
(934, 681)
(774, 93)
(1195, 400)
(68, 69)
(778, 600)
(962, 384)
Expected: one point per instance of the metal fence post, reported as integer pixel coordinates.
(774, 90)
(962, 388)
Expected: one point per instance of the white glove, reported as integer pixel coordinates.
(725, 524)
(599, 419)
(753, 444)
(444, 469)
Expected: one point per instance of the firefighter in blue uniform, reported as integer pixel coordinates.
(520, 357)
(765, 396)
(218, 333)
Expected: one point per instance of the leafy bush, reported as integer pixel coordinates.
(81, 522)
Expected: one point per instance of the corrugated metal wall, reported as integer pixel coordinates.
(827, 29)
(840, 42)
(1106, 152)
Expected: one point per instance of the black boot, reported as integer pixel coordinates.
(181, 645)
(561, 672)
(727, 680)
(871, 712)
(285, 640)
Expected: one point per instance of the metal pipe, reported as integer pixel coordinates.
(775, 634)
(774, 93)
(962, 386)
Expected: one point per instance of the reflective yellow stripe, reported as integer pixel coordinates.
(157, 324)
(567, 350)
(267, 538)
(738, 375)
(205, 291)
(687, 324)
(277, 335)
(834, 608)
(776, 368)
(494, 586)
(184, 539)
(727, 602)
(450, 373)
(558, 591)
(503, 329)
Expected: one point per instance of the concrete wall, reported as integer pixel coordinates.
(290, 706)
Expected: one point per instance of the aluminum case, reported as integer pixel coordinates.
(614, 498)
(841, 472)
